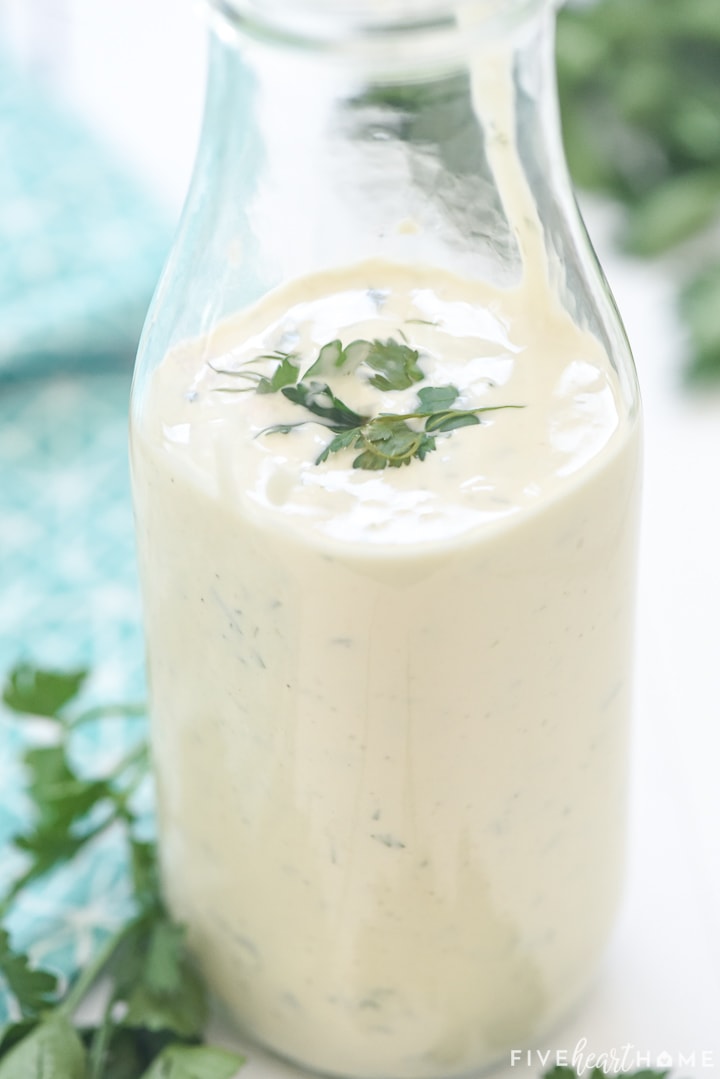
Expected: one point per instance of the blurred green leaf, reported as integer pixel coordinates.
(53, 1050)
(700, 307)
(639, 88)
(674, 211)
(36, 692)
(33, 989)
(194, 1062)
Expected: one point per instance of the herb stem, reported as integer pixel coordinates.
(255, 376)
(106, 711)
(426, 415)
(39, 870)
(100, 1043)
(90, 974)
(138, 755)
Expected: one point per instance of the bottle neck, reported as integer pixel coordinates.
(447, 155)
(392, 148)
(374, 29)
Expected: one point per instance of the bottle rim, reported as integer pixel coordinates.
(358, 25)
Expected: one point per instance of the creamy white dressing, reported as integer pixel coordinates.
(563, 398)
(390, 708)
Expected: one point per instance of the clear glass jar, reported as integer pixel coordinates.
(385, 443)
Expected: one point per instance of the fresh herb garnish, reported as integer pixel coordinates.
(285, 374)
(396, 364)
(386, 440)
(154, 1004)
(333, 358)
(319, 399)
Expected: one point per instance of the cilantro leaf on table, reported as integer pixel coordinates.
(35, 692)
(194, 1062)
(63, 801)
(60, 796)
(157, 983)
(53, 1050)
(144, 873)
(156, 1003)
(34, 990)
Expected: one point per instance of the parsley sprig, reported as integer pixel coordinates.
(153, 1001)
(391, 440)
(386, 440)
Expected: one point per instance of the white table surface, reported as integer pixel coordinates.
(135, 69)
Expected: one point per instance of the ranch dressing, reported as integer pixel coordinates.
(390, 707)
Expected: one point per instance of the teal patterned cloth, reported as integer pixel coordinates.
(80, 251)
(80, 245)
(68, 599)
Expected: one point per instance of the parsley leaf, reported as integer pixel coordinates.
(12, 1033)
(344, 440)
(144, 871)
(333, 358)
(60, 796)
(46, 848)
(436, 399)
(450, 420)
(285, 374)
(63, 800)
(330, 358)
(53, 1050)
(397, 365)
(157, 982)
(390, 442)
(41, 693)
(319, 399)
(156, 1002)
(194, 1062)
(33, 989)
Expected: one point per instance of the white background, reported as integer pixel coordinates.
(135, 70)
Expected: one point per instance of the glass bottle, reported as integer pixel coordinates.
(385, 431)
